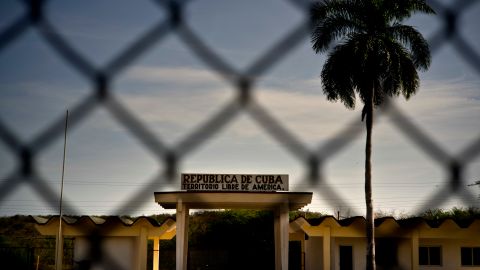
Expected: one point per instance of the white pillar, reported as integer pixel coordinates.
(156, 253)
(142, 249)
(326, 248)
(281, 237)
(182, 236)
(414, 251)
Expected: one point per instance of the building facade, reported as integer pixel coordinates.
(417, 244)
(122, 241)
(315, 244)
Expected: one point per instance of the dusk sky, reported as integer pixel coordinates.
(173, 93)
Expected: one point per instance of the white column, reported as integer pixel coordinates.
(281, 237)
(142, 249)
(156, 253)
(326, 248)
(182, 236)
(414, 251)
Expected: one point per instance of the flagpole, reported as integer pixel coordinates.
(59, 242)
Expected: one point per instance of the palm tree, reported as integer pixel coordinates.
(373, 55)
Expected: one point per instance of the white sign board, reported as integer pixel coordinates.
(234, 182)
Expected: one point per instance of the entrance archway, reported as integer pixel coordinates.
(278, 202)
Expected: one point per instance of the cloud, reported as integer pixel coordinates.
(187, 96)
(307, 114)
(184, 76)
(447, 109)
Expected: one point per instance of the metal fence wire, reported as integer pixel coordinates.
(243, 81)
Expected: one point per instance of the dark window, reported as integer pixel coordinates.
(294, 255)
(435, 255)
(470, 255)
(346, 258)
(386, 250)
(430, 256)
(466, 254)
(423, 255)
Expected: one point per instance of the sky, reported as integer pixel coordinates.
(173, 92)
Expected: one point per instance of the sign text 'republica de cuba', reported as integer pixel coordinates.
(234, 182)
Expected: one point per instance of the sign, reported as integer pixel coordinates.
(235, 182)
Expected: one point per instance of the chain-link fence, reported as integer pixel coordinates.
(169, 157)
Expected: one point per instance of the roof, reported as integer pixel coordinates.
(389, 226)
(404, 222)
(107, 226)
(233, 200)
(95, 220)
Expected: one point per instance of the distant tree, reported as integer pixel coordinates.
(305, 214)
(457, 213)
(232, 239)
(390, 213)
(376, 56)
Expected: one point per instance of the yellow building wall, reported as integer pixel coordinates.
(404, 256)
(314, 253)
(448, 235)
(359, 247)
(451, 258)
(121, 250)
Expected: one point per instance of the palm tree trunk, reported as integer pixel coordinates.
(370, 231)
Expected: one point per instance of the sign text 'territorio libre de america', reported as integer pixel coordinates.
(234, 182)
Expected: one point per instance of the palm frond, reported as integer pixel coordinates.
(401, 76)
(400, 10)
(332, 28)
(350, 9)
(417, 44)
(332, 20)
(337, 76)
(409, 77)
(375, 55)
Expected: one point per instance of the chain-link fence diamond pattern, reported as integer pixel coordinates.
(174, 21)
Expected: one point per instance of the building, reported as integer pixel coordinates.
(322, 243)
(280, 203)
(415, 243)
(123, 242)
